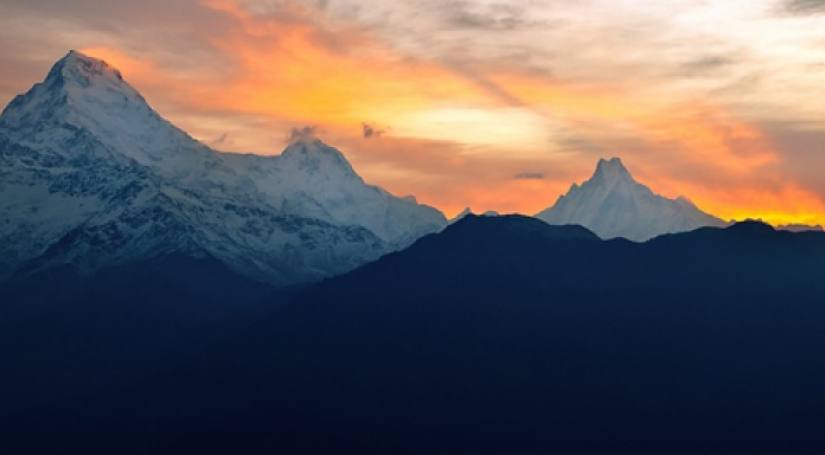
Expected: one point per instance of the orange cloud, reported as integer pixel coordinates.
(132, 68)
(286, 68)
(699, 132)
(453, 141)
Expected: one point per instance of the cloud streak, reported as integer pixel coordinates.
(529, 176)
(369, 131)
(804, 6)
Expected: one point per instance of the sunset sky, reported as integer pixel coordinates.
(497, 105)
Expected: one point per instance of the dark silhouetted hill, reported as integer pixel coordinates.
(508, 335)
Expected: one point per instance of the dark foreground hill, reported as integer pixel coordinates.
(506, 335)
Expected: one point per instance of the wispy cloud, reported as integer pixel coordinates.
(369, 131)
(479, 15)
(708, 65)
(803, 6)
(478, 93)
(304, 132)
(529, 176)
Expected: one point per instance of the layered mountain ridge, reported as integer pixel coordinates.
(544, 335)
(93, 177)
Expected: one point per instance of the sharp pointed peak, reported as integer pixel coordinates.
(614, 163)
(79, 84)
(77, 55)
(82, 68)
(611, 169)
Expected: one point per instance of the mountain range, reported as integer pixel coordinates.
(613, 204)
(546, 338)
(92, 177)
(158, 295)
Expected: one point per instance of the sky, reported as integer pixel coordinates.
(495, 105)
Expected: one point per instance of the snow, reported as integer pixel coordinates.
(613, 204)
(92, 176)
(461, 215)
(799, 228)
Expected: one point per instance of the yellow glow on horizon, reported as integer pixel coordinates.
(515, 127)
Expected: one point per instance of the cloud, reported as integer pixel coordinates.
(369, 131)
(803, 7)
(303, 133)
(497, 16)
(708, 65)
(220, 140)
(529, 176)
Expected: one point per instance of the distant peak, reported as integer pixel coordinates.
(615, 161)
(610, 163)
(461, 215)
(81, 90)
(311, 151)
(612, 169)
(83, 69)
(751, 226)
(517, 226)
(796, 227)
(305, 142)
(307, 145)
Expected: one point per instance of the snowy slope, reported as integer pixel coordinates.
(91, 177)
(799, 228)
(612, 204)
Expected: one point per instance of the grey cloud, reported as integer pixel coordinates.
(220, 140)
(305, 132)
(708, 65)
(471, 19)
(368, 131)
(803, 7)
(529, 176)
(495, 17)
(572, 142)
(803, 148)
(177, 37)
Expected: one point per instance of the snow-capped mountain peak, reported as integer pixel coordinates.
(613, 204)
(76, 84)
(612, 171)
(83, 96)
(93, 177)
(311, 154)
(79, 68)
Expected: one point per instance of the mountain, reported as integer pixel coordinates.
(799, 227)
(468, 211)
(503, 332)
(92, 177)
(613, 204)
